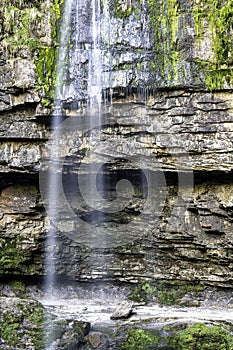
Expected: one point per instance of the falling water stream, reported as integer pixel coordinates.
(74, 12)
(86, 45)
(94, 90)
(52, 179)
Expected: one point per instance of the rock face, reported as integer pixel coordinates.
(162, 148)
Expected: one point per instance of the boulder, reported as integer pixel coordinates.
(123, 310)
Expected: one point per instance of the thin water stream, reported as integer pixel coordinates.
(75, 15)
(51, 179)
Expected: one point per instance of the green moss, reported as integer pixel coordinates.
(47, 56)
(122, 9)
(9, 329)
(20, 319)
(19, 24)
(56, 9)
(164, 18)
(216, 16)
(213, 23)
(166, 292)
(18, 287)
(24, 30)
(46, 71)
(171, 293)
(202, 337)
(142, 292)
(139, 339)
(12, 258)
(27, 321)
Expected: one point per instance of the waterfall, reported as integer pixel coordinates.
(85, 45)
(89, 53)
(85, 71)
(92, 61)
(83, 76)
(95, 60)
(51, 179)
(76, 46)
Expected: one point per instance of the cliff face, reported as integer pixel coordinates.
(168, 132)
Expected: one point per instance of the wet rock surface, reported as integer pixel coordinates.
(97, 340)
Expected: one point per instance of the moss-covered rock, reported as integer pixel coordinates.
(13, 257)
(180, 337)
(202, 337)
(216, 18)
(124, 8)
(21, 323)
(140, 339)
(164, 19)
(25, 324)
(164, 292)
(30, 31)
(192, 42)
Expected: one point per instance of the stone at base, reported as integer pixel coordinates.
(97, 340)
(123, 310)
